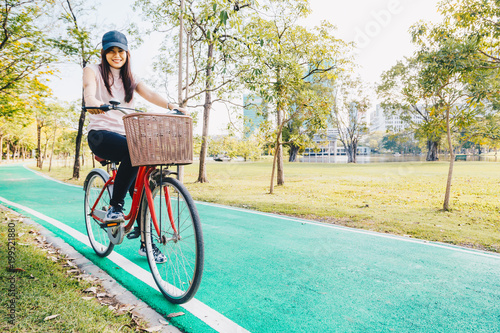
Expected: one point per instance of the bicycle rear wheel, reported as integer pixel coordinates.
(180, 276)
(98, 236)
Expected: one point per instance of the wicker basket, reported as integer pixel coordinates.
(155, 139)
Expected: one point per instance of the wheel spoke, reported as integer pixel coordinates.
(98, 237)
(179, 277)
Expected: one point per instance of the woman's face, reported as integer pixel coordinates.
(116, 57)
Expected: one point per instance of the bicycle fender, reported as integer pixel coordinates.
(104, 174)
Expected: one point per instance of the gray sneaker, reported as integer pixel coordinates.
(114, 214)
(160, 258)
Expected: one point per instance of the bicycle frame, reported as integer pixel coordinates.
(139, 186)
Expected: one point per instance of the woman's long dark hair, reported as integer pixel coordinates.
(125, 75)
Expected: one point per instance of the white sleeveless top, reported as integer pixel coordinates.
(111, 120)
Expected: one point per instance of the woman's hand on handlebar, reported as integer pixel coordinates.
(184, 111)
(98, 109)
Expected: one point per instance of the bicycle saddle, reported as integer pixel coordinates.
(104, 161)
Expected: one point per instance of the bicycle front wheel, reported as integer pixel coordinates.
(98, 236)
(179, 277)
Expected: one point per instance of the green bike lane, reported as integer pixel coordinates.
(269, 273)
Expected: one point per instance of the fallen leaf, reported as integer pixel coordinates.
(175, 314)
(101, 295)
(40, 239)
(70, 263)
(126, 307)
(90, 290)
(88, 278)
(154, 329)
(15, 269)
(163, 322)
(51, 317)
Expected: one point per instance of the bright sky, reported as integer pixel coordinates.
(379, 27)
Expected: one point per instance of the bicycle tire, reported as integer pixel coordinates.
(98, 236)
(179, 277)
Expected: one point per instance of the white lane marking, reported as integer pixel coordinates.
(359, 231)
(49, 178)
(202, 311)
(325, 225)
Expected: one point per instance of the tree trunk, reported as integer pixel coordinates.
(44, 155)
(279, 148)
(446, 203)
(281, 170)
(432, 150)
(271, 188)
(354, 152)
(78, 144)
(202, 174)
(180, 168)
(38, 144)
(351, 153)
(276, 156)
(17, 152)
(294, 151)
(52, 148)
(83, 156)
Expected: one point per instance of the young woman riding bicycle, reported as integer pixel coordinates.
(113, 79)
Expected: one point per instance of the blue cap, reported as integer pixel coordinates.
(114, 38)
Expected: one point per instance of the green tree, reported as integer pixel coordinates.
(214, 28)
(403, 96)
(373, 140)
(25, 49)
(350, 114)
(477, 22)
(451, 74)
(79, 45)
(286, 59)
(403, 142)
(25, 54)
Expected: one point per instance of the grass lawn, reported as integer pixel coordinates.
(38, 294)
(397, 198)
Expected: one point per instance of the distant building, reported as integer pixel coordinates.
(327, 145)
(254, 113)
(381, 122)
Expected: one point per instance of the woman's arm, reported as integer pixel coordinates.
(89, 90)
(155, 98)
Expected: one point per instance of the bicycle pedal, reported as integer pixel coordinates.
(110, 224)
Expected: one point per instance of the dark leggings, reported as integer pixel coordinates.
(113, 147)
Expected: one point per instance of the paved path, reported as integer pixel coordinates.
(268, 273)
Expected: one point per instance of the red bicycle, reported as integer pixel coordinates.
(169, 220)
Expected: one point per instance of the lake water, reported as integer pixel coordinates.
(386, 158)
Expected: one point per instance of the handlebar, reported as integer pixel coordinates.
(114, 106)
(104, 107)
